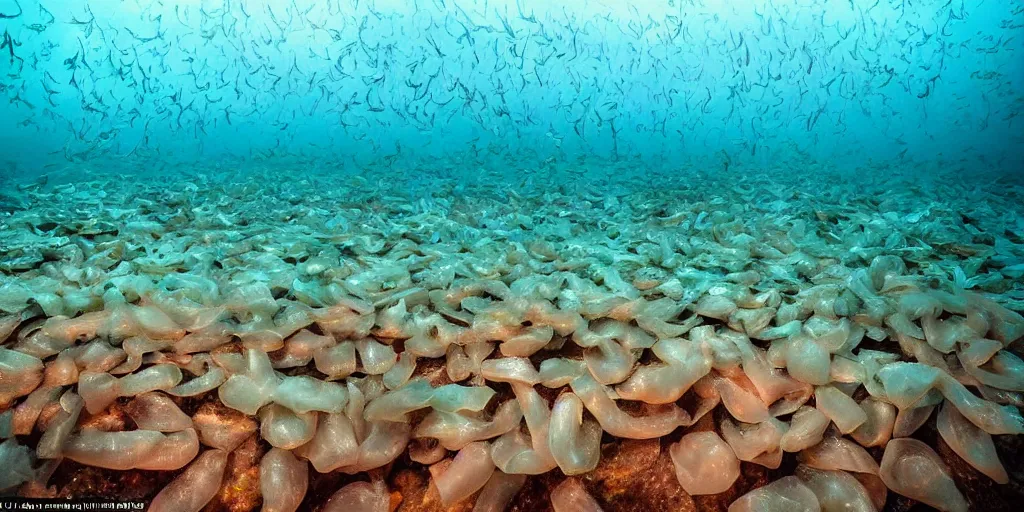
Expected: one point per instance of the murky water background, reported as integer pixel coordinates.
(675, 84)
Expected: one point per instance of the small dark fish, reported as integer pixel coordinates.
(9, 43)
(18, 99)
(12, 16)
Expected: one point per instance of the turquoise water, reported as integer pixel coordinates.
(668, 84)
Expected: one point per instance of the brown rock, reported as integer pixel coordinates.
(240, 490)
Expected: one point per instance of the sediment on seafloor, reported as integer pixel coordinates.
(725, 344)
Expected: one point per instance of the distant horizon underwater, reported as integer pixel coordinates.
(512, 255)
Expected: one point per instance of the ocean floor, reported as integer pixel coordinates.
(201, 335)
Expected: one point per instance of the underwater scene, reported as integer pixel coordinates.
(512, 255)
